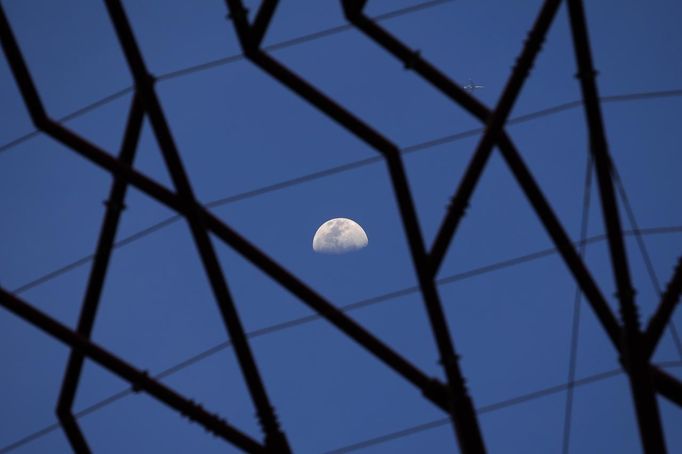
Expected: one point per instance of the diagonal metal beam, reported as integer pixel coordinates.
(432, 389)
(262, 20)
(139, 380)
(632, 345)
(275, 439)
(494, 125)
(412, 59)
(667, 385)
(664, 312)
(460, 407)
(580, 272)
(115, 205)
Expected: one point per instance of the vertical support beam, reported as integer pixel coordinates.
(460, 405)
(115, 205)
(632, 344)
(274, 437)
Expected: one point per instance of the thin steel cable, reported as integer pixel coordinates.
(226, 61)
(635, 96)
(311, 318)
(486, 409)
(450, 138)
(575, 330)
(620, 186)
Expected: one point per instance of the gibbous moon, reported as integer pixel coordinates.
(338, 236)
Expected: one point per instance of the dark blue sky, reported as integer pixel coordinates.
(238, 130)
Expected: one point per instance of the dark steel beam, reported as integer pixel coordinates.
(460, 407)
(432, 389)
(412, 59)
(560, 238)
(262, 20)
(275, 438)
(632, 345)
(21, 73)
(139, 380)
(667, 385)
(664, 312)
(115, 205)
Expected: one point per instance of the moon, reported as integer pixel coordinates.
(339, 236)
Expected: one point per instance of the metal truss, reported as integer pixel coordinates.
(633, 344)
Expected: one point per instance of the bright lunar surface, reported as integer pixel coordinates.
(338, 236)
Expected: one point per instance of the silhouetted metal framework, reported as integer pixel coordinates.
(633, 344)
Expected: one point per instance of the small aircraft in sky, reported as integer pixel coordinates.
(471, 86)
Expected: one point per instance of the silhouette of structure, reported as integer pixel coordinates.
(633, 343)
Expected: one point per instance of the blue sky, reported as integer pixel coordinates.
(238, 130)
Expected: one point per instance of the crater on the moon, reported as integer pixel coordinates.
(338, 236)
